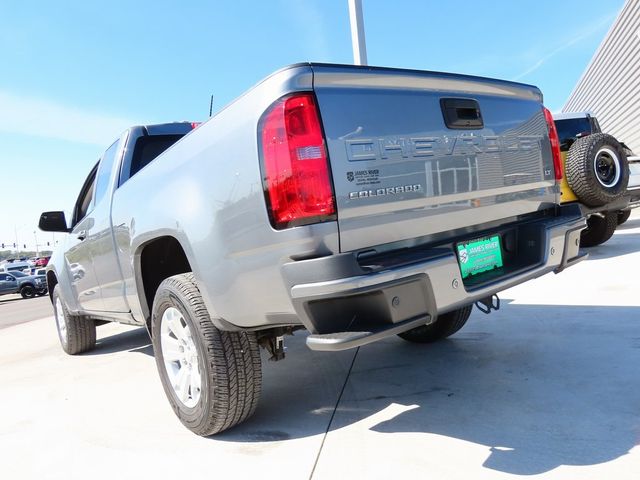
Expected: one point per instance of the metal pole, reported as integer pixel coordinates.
(357, 32)
(15, 231)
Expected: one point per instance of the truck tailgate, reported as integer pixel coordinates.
(417, 153)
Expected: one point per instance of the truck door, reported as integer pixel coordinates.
(77, 251)
(101, 241)
(8, 283)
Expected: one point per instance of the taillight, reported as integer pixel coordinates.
(555, 143)
(195, 125)
(295, 173)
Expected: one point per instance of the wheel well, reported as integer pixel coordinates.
(161, 258)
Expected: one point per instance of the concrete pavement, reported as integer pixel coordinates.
(548, 387)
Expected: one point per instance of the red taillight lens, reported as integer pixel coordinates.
(295, 172)
(555, 143)
(195, 125)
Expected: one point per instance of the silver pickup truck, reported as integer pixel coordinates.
(354, 202)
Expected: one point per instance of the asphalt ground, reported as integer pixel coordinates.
(15, 310)
(548, 387)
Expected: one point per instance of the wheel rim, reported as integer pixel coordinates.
(607, 167)
(61, 321)
(180, 356)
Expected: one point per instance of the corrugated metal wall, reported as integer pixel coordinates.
(610, 86)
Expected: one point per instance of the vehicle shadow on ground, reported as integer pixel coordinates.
(620, 244)
(541, 386)
(629, 224)
(136, 340)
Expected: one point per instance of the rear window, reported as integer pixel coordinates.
(146, 149)
(569, 128)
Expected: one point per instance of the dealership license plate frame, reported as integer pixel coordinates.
(479, 255)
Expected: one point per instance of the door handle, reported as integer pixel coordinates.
(82, 234)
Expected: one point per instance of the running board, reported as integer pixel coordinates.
(333, 342)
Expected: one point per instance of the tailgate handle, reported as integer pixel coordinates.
(461, 113)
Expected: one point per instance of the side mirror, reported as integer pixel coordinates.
(53, 222)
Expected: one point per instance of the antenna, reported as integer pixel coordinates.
(211, 106)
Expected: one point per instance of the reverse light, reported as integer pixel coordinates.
(295, 165)
(555, 143)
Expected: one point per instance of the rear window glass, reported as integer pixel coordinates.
(147, 148)
(569, 128)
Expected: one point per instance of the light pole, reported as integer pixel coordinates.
(15, 232)
(357, 32)
(36, 238)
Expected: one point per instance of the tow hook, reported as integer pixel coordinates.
(487, 304)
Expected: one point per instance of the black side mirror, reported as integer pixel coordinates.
(53, 222)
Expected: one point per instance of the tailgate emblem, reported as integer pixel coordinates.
(382, 192)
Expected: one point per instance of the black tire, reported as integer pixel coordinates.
(597, 169)
(229, 362)
(599, 229)
(77, 334)
(446, 325)
(623, 216)
(28, 291)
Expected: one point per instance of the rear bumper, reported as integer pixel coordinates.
(345, 304)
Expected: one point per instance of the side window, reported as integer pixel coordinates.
(104, 171)
(85, 199)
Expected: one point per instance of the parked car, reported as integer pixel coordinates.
(596, 175)
(42, 261)
(26, 285)
(357, 203)
(16, 266)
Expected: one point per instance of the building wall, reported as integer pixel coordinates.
(610, 85)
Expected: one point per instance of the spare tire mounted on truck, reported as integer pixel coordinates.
(597, 169)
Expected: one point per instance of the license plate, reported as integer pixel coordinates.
(479, 255)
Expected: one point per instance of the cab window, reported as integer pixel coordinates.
(146, 149)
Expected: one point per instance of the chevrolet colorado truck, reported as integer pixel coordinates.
(356, 203)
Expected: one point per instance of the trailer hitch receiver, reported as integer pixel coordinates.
(488, 304)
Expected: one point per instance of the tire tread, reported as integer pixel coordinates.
(581, 175)
(445, 325)
(233, 357)
(599, 229)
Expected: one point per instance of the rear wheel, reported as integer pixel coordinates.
(212, 378)
(623, 216)
(599, 229)
(77, 334)
(446, 325)
(28, 291)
